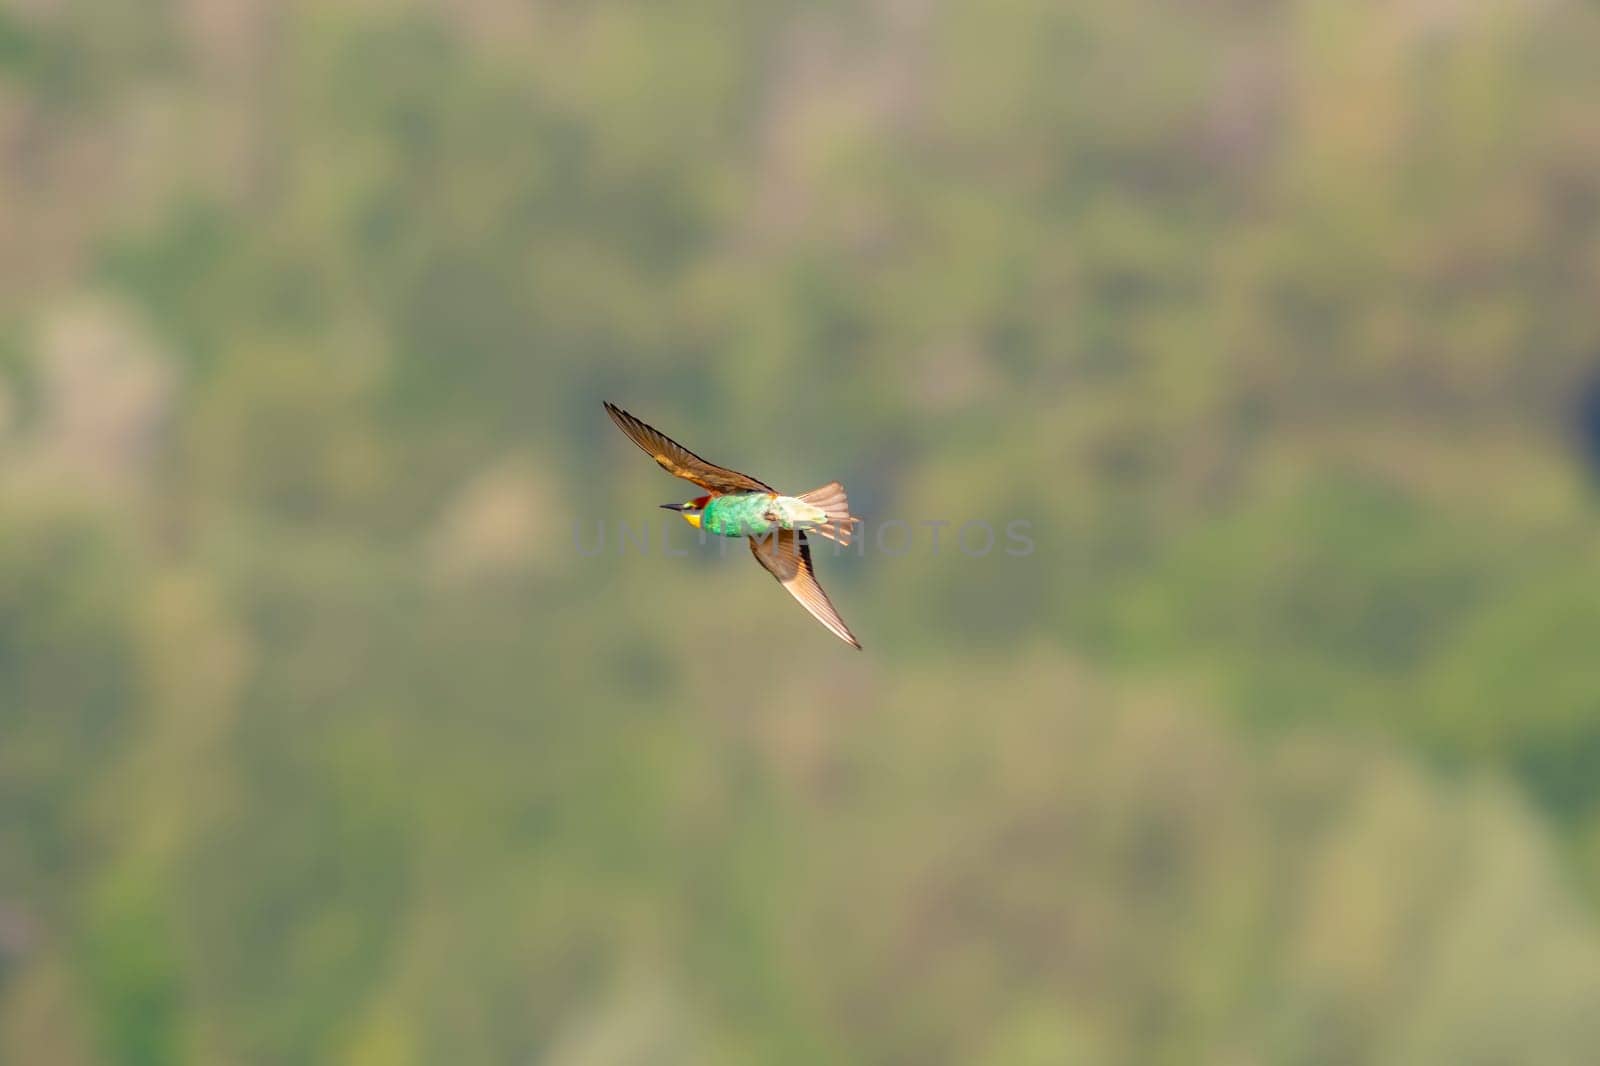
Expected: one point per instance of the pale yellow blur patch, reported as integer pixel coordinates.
(498, 526)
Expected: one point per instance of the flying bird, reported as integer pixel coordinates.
(737, 505)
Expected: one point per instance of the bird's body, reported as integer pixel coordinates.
(755, 514)
(737, 505)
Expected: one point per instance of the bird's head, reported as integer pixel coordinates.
(690, 511)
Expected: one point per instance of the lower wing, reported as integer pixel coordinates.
(787, 556)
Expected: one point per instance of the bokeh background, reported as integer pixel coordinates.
(321, 743)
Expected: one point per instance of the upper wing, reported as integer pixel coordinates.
(787, 555)
(679, 461)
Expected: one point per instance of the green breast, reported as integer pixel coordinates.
(737, 516)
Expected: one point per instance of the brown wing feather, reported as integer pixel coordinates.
(788, 557)
(679, 461)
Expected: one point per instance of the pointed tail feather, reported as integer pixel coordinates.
(831, 499)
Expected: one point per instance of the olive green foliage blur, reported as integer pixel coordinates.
(320, 741)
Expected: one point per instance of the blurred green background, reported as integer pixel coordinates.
(321, 743)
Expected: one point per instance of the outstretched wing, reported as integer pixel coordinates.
(787, 555)
(679, 461)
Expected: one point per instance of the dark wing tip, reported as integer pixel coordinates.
(625, 422)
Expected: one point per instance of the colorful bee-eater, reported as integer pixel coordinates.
(737, 505)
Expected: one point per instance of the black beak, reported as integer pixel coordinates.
(674, 507)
